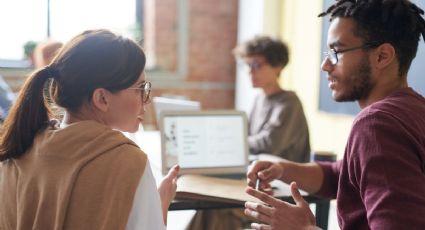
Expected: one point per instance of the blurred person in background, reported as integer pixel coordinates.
(277, 124)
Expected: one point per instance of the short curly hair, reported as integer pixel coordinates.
(273, 50)
(398, 22)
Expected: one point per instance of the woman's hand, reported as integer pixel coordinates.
(167, 190)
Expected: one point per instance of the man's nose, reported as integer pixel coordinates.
(327, 65)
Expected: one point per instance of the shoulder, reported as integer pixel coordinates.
(123, 165)
(125, 156)
(106, 145)
(385, 124)
(288, 101)
(290, 97)
(285, 97)
(131, 153)
(401, 107)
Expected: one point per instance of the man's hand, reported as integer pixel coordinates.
(277, 214)
(266, 171)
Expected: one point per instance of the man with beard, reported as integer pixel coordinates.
(380, 182)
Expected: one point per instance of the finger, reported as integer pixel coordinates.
(269, 173)
(260, 226)
(264, 170)
(256, 167)
(174, 171)
(268, 211)
(175, 168)
(252, 172)
(268, 191)
(257, 215)
(263, 197)
(251, 183)
(299, 200)
(265, 186)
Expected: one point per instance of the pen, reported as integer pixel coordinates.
(257, 184)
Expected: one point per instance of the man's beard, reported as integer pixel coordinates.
(359, 85)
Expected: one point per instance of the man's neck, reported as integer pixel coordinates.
(383, 90)
(271, 89)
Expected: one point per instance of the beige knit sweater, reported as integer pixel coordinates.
(83, 176)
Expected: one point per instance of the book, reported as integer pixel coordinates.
(207, 188)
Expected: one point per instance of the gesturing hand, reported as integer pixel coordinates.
(277, 214)
(167, 189)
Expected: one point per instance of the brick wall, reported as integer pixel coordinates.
(212, 34)
(210, 71)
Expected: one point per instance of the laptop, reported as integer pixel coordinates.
(205, 142)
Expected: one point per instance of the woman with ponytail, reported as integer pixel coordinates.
(80, 172)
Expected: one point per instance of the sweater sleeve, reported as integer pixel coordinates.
(385, 166)
(331, 172)
(146, 212)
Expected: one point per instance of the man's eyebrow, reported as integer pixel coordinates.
(335, 44)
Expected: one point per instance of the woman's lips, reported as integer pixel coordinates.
(140, 118)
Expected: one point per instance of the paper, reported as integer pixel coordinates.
(213, 189)
(223, 190)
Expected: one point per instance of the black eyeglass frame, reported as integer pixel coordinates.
(146, 89)
(332, 54)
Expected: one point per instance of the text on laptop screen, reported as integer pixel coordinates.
(205, 141)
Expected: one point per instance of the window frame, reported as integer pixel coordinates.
(23, 67)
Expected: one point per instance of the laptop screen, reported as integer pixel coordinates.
(204, 142)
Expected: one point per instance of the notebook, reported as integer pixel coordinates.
(204, 142)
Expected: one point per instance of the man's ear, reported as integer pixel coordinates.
(384, 56)
(100, 99)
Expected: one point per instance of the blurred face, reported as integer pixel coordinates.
(127, 106)
(350, 78)
(261, 72)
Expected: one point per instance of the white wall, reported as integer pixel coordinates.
(250, 23)
(300, 28)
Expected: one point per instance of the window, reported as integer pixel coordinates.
(161, 26)
(23, 21)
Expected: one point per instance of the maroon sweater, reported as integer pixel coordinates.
(380, 182)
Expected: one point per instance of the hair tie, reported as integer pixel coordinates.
(51, 72)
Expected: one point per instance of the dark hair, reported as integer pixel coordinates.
(273, 50)
(397, 22)
(91, 60)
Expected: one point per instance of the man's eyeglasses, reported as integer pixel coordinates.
(332, 54)
(254, 66)
(146, 91)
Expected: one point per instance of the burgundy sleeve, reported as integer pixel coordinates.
(386, 168)
(329, 186)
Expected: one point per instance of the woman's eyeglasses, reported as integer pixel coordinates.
(146, 91)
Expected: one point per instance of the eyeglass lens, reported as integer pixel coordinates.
(332, 56)
(146, 91)
(254, 66)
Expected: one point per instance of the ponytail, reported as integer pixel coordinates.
(28, 115)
